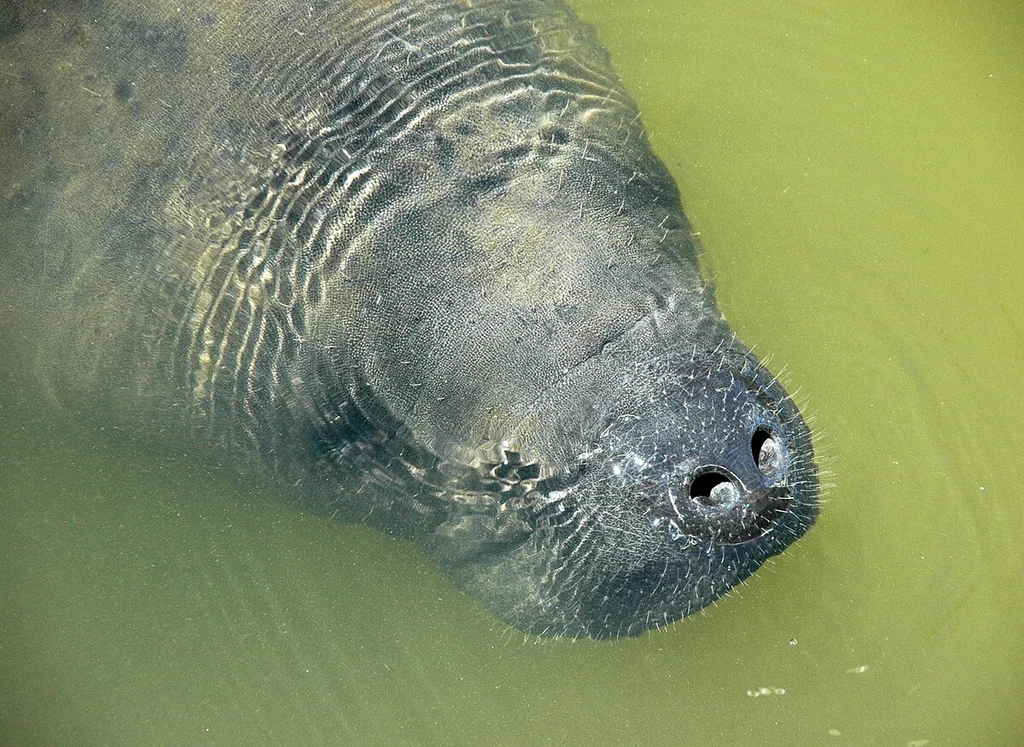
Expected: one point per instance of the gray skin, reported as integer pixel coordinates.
(412, 264)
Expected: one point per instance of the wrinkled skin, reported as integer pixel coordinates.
(414, 264)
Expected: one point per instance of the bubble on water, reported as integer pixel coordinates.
(766, 691)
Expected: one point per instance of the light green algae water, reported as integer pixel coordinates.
(855, 171)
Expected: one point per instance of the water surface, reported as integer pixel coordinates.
(855, 174)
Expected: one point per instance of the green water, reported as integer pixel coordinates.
(856, 174)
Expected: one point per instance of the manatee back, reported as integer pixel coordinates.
(192, 193)
(111, 152)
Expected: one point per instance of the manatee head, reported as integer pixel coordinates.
(641, 487)
(554, 405)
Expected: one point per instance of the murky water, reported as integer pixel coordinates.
(856, 177)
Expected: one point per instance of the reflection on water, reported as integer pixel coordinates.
(855, 177)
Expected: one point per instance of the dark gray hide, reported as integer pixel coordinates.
(414, 264)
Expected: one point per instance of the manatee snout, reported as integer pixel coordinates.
(734, 470)
(694, 472)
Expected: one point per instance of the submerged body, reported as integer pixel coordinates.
(413, 263)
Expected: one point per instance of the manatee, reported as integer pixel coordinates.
(408, 263)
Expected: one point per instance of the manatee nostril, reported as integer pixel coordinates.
(767, 454)
(713, 488)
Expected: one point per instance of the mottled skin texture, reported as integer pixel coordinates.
(412, 263)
